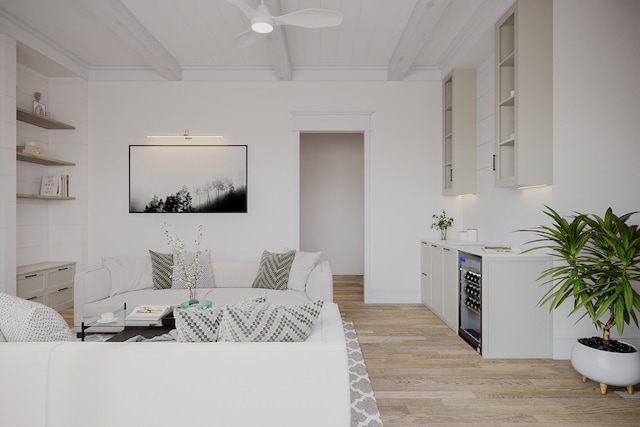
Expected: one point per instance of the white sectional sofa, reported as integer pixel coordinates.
(129, 280)
(106, 384)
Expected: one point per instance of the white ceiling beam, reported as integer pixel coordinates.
(120, 20)
(277, 46)
(423, 19)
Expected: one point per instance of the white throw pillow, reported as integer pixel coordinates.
(205, 280)
(128, 273)
(301, 268)
(28, 321)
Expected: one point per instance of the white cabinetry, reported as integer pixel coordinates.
(512, 323)
(49, 283)
(524, 95)
(459, 133)
(442, 264)
(425, 273)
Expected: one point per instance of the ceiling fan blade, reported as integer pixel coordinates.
(310, 18)
(244, 7)
(245, 39)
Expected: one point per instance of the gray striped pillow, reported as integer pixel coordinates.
(161, 270)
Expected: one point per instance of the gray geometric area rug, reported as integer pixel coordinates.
(364, 409)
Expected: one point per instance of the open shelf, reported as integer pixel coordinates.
(32, 158)
(40, 121)
(37, 196)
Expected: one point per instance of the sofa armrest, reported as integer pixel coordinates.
(320, 283)
(90, 285)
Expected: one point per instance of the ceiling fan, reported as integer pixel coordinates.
(262, 22)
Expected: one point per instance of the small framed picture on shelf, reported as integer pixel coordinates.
(39, 108)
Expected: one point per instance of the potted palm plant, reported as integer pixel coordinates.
(599, 262)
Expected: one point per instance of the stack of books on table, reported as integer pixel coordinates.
(148, 313)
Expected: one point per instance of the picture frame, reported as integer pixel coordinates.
(188, 179)
(39, 108)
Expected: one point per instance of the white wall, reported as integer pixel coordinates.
(332, 199)
(596, 121)
(405, 187)
(53, 230)
(7, 165)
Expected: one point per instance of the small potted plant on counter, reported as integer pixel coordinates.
(599, 260)
(442, 223)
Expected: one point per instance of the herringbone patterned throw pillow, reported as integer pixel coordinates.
(269, 322)
(274, 269)
(161, 270)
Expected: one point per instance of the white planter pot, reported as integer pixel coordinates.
(605, 367)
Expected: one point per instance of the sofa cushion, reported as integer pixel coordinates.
(203, 325)
(178, 278)
(128, 273)
(301, 268)
(269, 322)
(27, 321)
(161, 269)
(274, 269)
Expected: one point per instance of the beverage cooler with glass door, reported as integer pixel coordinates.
(470, 312)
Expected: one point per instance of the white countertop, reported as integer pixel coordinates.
(478, 248)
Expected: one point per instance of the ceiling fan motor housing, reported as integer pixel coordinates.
(261, 22)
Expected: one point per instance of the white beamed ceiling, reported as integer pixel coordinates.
(193, 39)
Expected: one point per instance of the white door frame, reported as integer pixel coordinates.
(334, 122)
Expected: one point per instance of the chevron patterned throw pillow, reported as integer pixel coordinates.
(269, 322)
(203, 325)
(274, 269)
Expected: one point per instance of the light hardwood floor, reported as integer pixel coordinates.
(424, 375)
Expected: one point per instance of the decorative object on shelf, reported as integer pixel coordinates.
(38, 107)
(442, 223)
(30, 147)
(189, 266)
(187, 178)
(600, 259)
(55, 185)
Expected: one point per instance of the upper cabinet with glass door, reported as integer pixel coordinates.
(459, 133)
(524, 92)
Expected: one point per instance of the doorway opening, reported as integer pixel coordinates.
(332, 182)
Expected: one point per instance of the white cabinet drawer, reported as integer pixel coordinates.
(60, 277)
(29, 285)
(61, 299)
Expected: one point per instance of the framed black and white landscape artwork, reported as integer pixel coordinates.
(187, 178)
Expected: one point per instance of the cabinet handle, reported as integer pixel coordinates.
(31, 275)
(494, 162)
(63, 289)
(446, 249)
(434, 246)
(450, 175)
(32, 298)
(63, 268)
